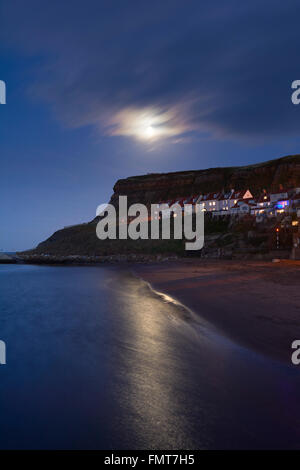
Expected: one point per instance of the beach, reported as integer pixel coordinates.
(98, 359)
(257, 304)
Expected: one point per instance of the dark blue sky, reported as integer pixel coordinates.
(101, 90)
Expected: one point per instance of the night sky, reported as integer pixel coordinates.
(102, 90)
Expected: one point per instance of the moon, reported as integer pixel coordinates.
(149, 132)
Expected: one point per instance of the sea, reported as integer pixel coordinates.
(98, 359)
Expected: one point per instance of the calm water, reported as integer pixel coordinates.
(95, 359)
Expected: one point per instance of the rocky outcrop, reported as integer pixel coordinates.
(157, 187)
(88, 260)
(5, 259)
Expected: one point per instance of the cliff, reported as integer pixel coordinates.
(157, 187)
(152, 188)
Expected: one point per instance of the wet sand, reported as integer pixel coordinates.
(257, 304)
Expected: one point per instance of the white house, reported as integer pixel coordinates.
(242, 207)
(210, 202)
(282, 206)
(238, 195)
(281, 194)
(263, 205)
(227, 200)
(224, 202)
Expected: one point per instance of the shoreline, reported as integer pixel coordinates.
(80, 260)
(255, 304)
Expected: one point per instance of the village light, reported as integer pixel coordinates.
(277, 238)
(295, 223)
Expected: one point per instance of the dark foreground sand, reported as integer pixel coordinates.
(255, 303)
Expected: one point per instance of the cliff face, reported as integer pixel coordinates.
(153, 188)
(147, 189)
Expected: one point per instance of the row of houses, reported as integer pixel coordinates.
(239, 203)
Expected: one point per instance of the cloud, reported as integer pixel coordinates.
(161, 69)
